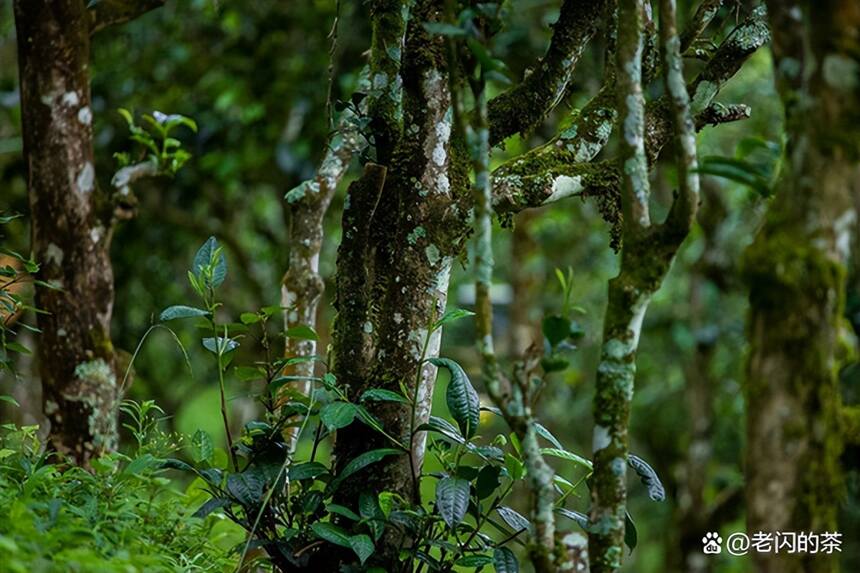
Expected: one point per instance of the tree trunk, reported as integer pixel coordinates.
(795, 270)
(417, 232)
(70, 223)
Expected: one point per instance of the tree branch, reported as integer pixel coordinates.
(388, 21)
(683, 210)
(527, 104)
(561, 168)
(105, 13)
(700, 20)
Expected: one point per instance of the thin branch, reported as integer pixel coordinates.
(704, 14)
(527, 104)
(684, 207)
(388, 21)
(105, 13)
(635, 189)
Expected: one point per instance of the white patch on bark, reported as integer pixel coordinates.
(96, 233)
(86, 179)
(564, 186)
(432, 252)
(843, 229)
(54, 254)
(600, 439)
(71, 99)
(428, 371)
(639, 309)
(85, 115)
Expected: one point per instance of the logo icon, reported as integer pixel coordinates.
(712, 543)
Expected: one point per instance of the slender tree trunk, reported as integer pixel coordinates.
(302, 287)
(795, 270)
(70, 227)
(647, 253)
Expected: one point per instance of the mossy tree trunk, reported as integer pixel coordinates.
(646, 255)
(795, 270)
(71, 220)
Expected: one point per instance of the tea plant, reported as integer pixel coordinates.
(120, 515)
(289, 504)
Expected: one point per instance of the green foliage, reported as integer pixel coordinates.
(462, 400)
(156, 142)
(124, 515)
(560, 331)
(756, 165)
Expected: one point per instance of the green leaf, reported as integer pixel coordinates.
(648, 477)
(547, 435)
(631, 537)
(565, 455)
(9, 400)
(362, 461)
(452, 315)
(301, 332)
(487, 482)
(341, 510)
(516, 468)
(19, 348)
(737, 170)
(175, 464)
(554, 363)
(380, 395)
(202, 449)
(249, 318)
(126, 115)
(556, 329)
(505, 561)
(580, 518)
(210, 506)
(514, 519)
(246, 487)
(204, 257)
(462, 400)
(220, 345)
(307, 470)
(331, 533)
(362, 545)
(181, 311)
(337, 415)
(452, 499)
(474, 561)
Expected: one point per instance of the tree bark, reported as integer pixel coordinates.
(70, 224)
(646, 255)
(795, 270)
